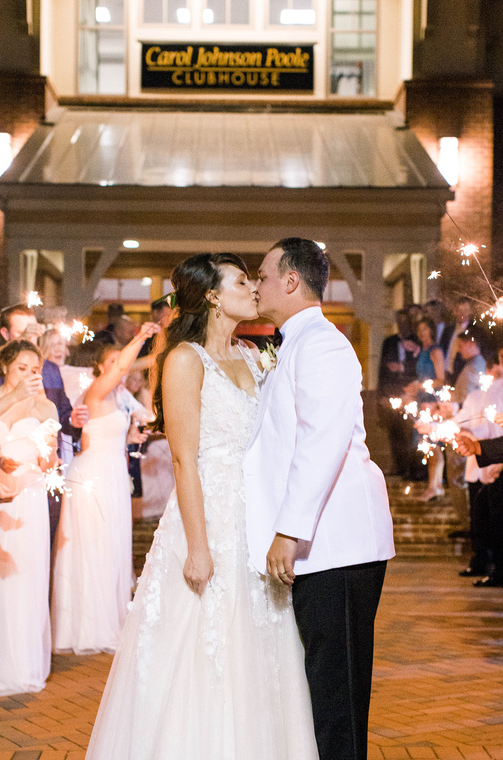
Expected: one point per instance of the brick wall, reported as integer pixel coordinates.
(462, 109)
(23, 103)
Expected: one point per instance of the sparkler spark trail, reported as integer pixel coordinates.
(396, 403)
(434, 275)
(490, 412)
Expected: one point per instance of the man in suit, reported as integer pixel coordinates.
(397, 368)
(317, 509)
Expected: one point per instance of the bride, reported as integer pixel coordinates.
(210, 665)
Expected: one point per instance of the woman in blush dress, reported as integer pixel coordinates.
(210, 664)
(430, 366)
(93, 562)
(28, 448)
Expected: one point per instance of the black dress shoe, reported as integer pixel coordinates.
(470, 572)
(489, 581)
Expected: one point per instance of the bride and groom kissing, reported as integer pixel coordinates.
(251, 632)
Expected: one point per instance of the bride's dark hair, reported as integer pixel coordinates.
(191, 279)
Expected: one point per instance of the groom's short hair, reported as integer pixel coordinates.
(307, 258)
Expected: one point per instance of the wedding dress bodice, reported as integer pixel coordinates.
(227, 412)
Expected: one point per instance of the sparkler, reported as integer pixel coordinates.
(396, 403)
(85, 381)
(44, 436)
(444, 394)
(485, 382)
(428, 387)
(434, 275)
(490, 412)
(77, 328)
(55, 483)
(410, 410)
(34, 299)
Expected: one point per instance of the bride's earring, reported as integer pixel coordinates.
(218, 310)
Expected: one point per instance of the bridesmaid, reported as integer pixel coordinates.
(25, 651)
(93, 563)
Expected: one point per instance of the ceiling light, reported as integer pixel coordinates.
(289, 16)
(146, 282)
(183, 15)
(102, 15)
(208, 16)
(130, 244)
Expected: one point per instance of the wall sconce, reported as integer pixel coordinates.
(5, 151)
(448, 159)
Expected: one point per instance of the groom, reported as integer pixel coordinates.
(317, 508)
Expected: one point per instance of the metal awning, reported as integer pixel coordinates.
(189, 149)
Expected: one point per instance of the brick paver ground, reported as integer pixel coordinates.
(438, 686)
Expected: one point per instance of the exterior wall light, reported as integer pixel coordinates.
(448, 159)
(130, 244)
(5, 151)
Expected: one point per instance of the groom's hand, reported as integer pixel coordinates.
(281, 559)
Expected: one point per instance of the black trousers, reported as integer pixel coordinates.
(335, 611)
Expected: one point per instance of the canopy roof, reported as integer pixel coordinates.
(183, 149)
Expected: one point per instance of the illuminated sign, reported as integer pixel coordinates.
(227, 67)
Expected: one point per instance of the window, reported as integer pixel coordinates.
(292, 12)
(226, 12)
(102, 47)
(353, 33)
(166, 12)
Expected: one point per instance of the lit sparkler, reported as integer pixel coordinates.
(445, 431)
(425, 416)
(396, 403)
(407, 490)
(444, 394)
(434, 275)
(34, 299)
(44, 437)
(485, 382)
(85, 381)
(428, 387)
(55, 483)
(410, 410)
(490, 412)
(426, 447)
(77, 328)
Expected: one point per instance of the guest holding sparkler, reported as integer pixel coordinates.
(429, 366)
(28, 448)
(92, 570)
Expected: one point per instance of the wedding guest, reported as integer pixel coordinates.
(93, 563)
(397, 368)
(463, 313)
(25, 652)
(429, 366)
(54, 350)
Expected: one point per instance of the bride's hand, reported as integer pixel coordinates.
(198, 570)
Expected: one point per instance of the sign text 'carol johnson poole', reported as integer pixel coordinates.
(226, 67)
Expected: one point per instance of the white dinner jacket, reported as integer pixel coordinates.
(307, 469)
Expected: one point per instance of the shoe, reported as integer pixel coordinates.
(430, 494)
(489, 581)
(469, 572)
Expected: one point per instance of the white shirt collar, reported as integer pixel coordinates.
(293, 325)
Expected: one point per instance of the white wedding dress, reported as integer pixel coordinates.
(25, 633)
(216, 677)
(93, 561)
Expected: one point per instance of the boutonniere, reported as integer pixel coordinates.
(268, 357)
